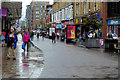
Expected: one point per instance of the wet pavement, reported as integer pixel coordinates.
(60, 60)
(0, 62)
(28, 65)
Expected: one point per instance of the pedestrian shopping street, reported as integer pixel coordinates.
(59, 60)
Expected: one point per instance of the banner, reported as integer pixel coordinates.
(4, 12)
(0, 13)
(113, 22)
(70, 32)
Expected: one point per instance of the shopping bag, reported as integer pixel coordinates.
(23, 46)
(23, 54)
(2, 37)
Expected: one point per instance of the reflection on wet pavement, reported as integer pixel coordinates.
(27, 65)
(59, 61)
(0, 62)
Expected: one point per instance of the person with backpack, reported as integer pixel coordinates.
(12, 44)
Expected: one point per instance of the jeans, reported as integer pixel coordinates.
(27, 43)
(53, 40)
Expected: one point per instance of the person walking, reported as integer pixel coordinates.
(43, 35)
(26, 39)
(11, 44)
(83, 37)
(32, 35)
(38, 34)
(58, 34)
(53, 37)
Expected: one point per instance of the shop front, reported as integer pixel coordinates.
(0, 19)
(59, 30)
(112, 44)
(114, 26)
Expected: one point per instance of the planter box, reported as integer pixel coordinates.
(92, 43)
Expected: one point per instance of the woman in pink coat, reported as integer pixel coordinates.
(26, 39)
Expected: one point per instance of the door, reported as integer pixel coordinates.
(118, 32)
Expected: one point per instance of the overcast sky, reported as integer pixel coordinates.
(27, 2)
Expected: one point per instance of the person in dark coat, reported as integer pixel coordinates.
(43, 35)
(53, 37)
(38, 34)
(110, 35)
(32, 35)
(12, 45)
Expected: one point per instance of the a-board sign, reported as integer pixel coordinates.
(71, 32)
(51, 30)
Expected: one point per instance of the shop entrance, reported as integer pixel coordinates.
(118, 32)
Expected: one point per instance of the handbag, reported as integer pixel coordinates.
(23, 46)
(2, 37)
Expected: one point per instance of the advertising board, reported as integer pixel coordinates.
(51, 30)
(71, 32)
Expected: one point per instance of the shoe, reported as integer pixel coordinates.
(14, 58)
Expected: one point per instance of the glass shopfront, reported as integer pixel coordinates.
(114, 26)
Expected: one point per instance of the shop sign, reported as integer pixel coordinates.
(70, 32)
(4, 12)
(114, 22)
(59, 26)
(84, 19)
(77, 21)
(67, 18)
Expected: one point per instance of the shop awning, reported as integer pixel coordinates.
(13, 9)
(66, 23)
(59, 26)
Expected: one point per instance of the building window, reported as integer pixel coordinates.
(37, 8)
(37, 12)
(41, 15)
(37, 18)
(113, 9)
